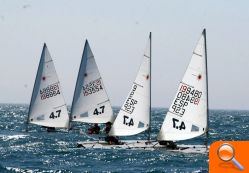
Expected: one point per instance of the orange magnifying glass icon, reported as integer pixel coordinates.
(226, 153)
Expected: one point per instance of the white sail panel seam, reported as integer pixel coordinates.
(103, 102)
(125, 111)
(59, 106)
(138, 84)
(54, 83)
(48, 61)
(147, 56)
(175, 113)
(90, 57)
(186, 84)
(93, 80)
(197, 54)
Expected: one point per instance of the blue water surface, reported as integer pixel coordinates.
(39, 151)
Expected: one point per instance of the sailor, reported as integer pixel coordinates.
(94, 129)
(112, 140)
(169, 144)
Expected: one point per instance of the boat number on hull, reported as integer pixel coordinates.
(50, 91)
(128, 121)
(55, 115)
(130, 103)
(178, 125)
(185, 96)
(98, 111)
(92, 87)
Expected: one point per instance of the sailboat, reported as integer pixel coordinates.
(134, 116)
(91, 103)
(187, 117)
(47, 106)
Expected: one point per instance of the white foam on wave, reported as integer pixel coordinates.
(19, 170)
(12, 137)
(27, 146)
(33, 171)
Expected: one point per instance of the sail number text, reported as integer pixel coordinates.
(50, 91)
(185, 96)
(92, 87)
(130, 103)
(178, 125)
(55, 114)
(128, 121)
(99, 110)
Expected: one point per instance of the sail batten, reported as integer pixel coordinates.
(187, 115)
(91, 103)
(47, 106)
(134, 116)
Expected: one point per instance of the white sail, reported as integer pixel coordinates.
(90, 103)
(134, 116)
(187, 115)
(47, 106)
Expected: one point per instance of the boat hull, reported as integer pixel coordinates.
(141, 145)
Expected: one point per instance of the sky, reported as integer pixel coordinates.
(117, 32)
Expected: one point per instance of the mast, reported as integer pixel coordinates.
(205, 48)
(149, 130)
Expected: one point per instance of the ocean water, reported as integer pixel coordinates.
(39, 151)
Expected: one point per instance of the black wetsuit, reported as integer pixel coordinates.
(111, 139)
(169, 144)
(94, 130)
